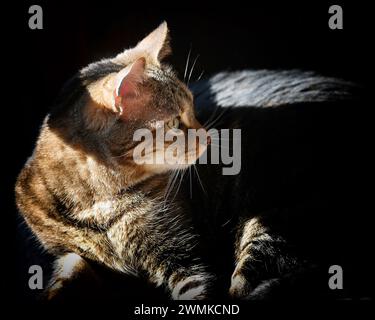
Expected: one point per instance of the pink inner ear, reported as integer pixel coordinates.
(126, 88)
(128, 81)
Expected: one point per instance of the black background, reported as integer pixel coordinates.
(256, 36)
(270, 36)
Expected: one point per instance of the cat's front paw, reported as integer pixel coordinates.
(195, 287)
(240, 287)
(56, 289)
(71, 272)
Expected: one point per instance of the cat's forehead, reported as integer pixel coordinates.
(100, 69)
(163, 74)
(168, 82)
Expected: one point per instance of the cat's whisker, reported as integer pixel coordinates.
(187, 64)
(171, 185)
(164, 207)
(225, 223)
(191, 184)
(123, 154)
(192, 69)
(211, 116)
(178, 172)
(182, 174)
(216, 120)
(200, 76)
(175, 178)
(199, 179)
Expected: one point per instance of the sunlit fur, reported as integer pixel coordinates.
(82, 194)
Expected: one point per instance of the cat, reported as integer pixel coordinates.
(87, 202)
(83, 195)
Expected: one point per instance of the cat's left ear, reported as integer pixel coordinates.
(157, 43)
(154, 47)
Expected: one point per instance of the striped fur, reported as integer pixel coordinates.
(85, 198)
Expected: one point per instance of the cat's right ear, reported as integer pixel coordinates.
(127, 83)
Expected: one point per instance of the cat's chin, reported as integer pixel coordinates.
(163, 168)
(190, 159)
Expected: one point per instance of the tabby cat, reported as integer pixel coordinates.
(86, 200)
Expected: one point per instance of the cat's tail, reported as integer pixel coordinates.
(268, 88)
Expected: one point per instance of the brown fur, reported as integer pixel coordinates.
(82, 193)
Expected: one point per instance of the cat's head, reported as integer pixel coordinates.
(134, 90)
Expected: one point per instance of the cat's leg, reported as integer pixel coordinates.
(67, 269)
(181, 273)
(175, 265)
(262, 257)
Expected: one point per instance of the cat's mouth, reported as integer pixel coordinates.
(162, 161)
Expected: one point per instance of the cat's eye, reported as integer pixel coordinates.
(173, 123)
